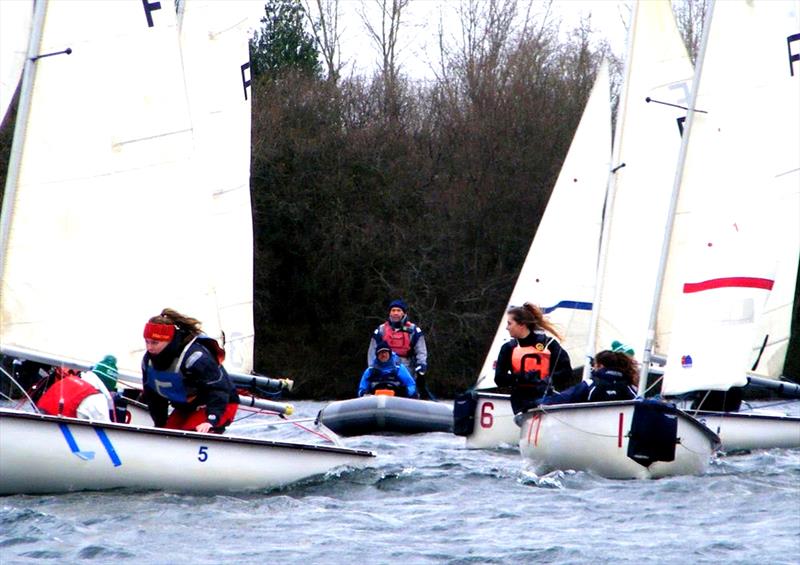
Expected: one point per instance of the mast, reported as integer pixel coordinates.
(591, 348)
(20, 126)
(676, 186)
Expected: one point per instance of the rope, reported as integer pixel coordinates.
(296, 423)
(587, 432)
(565, 423)
(21, 388)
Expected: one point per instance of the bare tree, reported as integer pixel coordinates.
(385, 37)
(325, 28)
(690, 16)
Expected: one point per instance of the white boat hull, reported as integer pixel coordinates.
(494, 422)
(50, 454)
(594, 437)
(743, 431)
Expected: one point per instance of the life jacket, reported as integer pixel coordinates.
(72, 389)
(400, 339)
(531, 358)
(169, 383)
(608, 384)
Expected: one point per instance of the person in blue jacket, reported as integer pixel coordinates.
(387, 372)
(615, 375)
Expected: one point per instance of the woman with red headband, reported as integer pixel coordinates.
(183, 367)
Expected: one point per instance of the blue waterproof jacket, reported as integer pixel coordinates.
(391, 374)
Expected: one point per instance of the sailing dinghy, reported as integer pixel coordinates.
(563, 289)
(735, 243)
(636, 439)
(106, 219)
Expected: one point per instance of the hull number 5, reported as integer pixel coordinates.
(202, 454)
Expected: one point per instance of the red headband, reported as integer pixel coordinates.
(159, 332)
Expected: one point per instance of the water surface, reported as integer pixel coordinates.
(426, 499)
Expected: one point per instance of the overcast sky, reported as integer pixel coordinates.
(418, 40)
(418, 37)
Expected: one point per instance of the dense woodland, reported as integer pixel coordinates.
(366, 189)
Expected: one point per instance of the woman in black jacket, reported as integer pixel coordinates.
(533, 361)
(183, 367)
(615, 376)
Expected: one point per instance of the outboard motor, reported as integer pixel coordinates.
(654, 432)
(464, 413)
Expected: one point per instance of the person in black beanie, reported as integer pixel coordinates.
(407, 341)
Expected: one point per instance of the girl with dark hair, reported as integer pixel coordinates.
(183, 367)
(532, 362)
(615, 376)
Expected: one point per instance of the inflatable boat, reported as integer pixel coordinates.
(381, 413)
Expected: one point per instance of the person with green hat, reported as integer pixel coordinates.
(619, 347)
(87, 396)
(103, 376)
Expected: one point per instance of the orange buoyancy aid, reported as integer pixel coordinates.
(531, 358)
(73, 390)
(398, 339)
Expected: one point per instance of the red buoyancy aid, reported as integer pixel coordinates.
(531, 358)
(398, 339)
(73, 390)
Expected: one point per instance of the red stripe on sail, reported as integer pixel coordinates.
(729, 282)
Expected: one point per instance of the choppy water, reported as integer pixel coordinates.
(426, 499)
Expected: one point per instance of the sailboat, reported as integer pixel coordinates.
(563, 288)
(107, 218)
(735, 244)
(638, 438)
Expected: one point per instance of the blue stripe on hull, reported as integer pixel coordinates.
(112, 453)
(73, 445)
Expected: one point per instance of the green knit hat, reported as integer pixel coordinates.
(107, 371)
(619, 347)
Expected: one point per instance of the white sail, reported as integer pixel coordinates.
(15, 28)
(647, 143)
(736, 236)
(214, 44)
(785, 189)
(559, 270)
(104, 225)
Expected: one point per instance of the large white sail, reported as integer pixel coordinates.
(647, 143)
(775, 323)
(559, 270)
(105, 223)
(15, 29)
(736, 235)
(214, 44)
